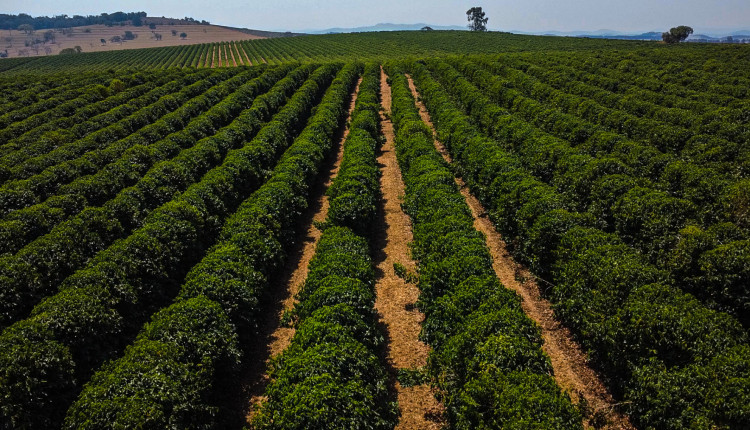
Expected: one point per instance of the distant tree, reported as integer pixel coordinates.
(730, 39)
(676, 34)
(157, 36)
(477, 19)
(47, 50)
(23, 52)
(129, 35)
(67, 51)
(183, 35)
(136, 21)
(104, 41)
(9, 40)
(115, 39)
(152, 26)
(174, 32)
(49, 36)
(426, 28)
(26, 28)
(78, 49)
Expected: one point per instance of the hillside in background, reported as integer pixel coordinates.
(98, 38)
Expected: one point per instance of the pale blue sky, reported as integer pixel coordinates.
(524, 15)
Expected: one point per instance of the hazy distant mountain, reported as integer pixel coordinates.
(708, 35)
(384, 27)
(705, 34)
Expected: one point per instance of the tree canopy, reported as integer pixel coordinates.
(61, 21)
(676, 34)
(477, 19)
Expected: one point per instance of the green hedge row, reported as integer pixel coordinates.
(100, 308)
(72, 96)
(38, 268)
(725, 131)
(222, 103)
(486, 353)
(330, 376)
(721, 116)
(671, 359)
(39, 177)
(42, 137)
(29, 158)
(649, 216)
(24, 147)
(175, 373)
(551, 83)
(26, 90)
(533, 80)
(354, 194)
(643, 73)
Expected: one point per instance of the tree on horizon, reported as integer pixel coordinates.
(477, 19)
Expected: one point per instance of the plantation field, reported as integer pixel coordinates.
(308, 242)
(338, 47)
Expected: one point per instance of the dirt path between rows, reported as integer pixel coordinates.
(229, 49)
(243, 52)
(274, 337)
(572, 372)
(395, 298)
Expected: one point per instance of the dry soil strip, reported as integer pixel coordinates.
(277, 337)
(229, 50)
(247, 57)
(572, 372)
(230, 54)
(238, 57)
(394, 297)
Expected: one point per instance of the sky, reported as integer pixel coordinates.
(522, 15)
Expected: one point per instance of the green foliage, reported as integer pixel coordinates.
(477, 18)
(676, 34)
(318, 48)
(412, 377)
(656, 344)
(470, 317)
(136, 276)
(330, 375)
(618, 175)
(196, 340)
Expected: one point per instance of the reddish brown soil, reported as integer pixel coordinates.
(276, 337)
(571, 369)
(394, 297)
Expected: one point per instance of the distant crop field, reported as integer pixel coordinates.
(339, 47)
(422, 229)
